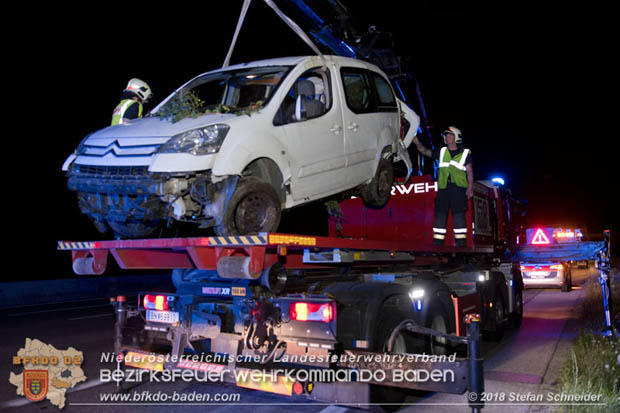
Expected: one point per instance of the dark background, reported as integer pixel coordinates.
(528, 85)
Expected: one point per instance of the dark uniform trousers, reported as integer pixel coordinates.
(451, 198)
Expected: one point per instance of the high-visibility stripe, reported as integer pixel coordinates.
(75, 245)
(439, 236)
(464, 157)
(460, 230)
(457, 165)
(439, 230)
(460, 236)
(442, 152)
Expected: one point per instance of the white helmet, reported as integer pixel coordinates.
(458, 136)
(140, 88)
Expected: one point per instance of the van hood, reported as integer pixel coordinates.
(152, 130)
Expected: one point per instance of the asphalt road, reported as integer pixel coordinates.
(524, 361)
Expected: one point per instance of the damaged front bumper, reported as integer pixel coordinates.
(123, 194)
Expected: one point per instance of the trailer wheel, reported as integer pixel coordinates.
(404, 342)
(254, 207)
(376, 193)
(498, 314)
(438, 320)
(516, 317)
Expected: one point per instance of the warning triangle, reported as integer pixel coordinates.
(540, 238)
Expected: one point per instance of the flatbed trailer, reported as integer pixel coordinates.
(343, 301)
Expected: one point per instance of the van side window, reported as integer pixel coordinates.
(357, 90)
(385, 96)
(308, 98)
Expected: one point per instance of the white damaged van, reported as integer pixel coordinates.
(234, 147)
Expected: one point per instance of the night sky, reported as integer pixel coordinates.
(528, 85)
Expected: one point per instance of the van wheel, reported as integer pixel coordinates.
(376, 193)
(254, 207)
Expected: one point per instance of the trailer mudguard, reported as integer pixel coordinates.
(360, 304)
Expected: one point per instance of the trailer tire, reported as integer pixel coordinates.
(404, 342)
(516, 317)
(254, 207)
(438, 319)
(499, 313)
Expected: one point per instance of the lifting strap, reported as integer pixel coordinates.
(284, 17)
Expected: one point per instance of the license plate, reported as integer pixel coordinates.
(538, 274)
(169, 317)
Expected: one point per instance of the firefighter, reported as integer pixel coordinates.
(455, 185)
(134, 96)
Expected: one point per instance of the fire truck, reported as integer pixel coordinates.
(375, 285)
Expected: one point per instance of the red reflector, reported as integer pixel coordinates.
(155, 302)
(302, 311)
(298, 388)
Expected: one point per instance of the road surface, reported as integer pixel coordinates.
(524, 365)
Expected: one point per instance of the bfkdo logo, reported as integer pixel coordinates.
(36, 384)
(47, 372)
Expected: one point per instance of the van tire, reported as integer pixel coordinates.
(253, 208)
(376, 193)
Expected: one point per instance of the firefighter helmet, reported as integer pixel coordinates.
(458, 136)
(140, 88)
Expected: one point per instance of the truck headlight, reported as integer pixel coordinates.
(201, 141)
(417, 298)
(416, 294)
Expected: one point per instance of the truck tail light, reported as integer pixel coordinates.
(303, 311)
(155, 302)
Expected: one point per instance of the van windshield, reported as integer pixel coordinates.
(222, 92)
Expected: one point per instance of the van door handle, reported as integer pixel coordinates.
(353, 126)
(336, 129)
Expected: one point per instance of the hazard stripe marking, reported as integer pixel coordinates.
(239, 240)
(75, 245)
(212, 241)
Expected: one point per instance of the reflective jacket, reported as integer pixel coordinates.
(452, 169)
(119, 112)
